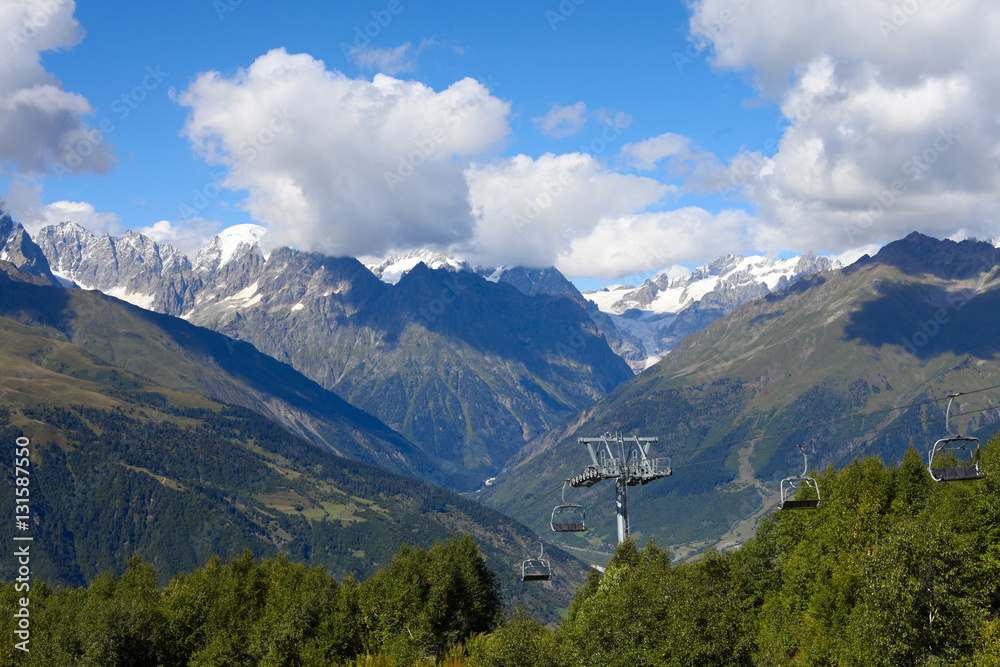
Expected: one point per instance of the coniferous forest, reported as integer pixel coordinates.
(892, 569)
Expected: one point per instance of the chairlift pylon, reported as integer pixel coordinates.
(791, 485)
(568, 517)
(536, 569)
(954, 443)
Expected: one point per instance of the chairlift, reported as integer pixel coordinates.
(536, 569)
(954, 444)
(791, 485)
(568, 518)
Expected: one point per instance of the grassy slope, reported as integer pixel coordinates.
(829, 347)
(123, 463)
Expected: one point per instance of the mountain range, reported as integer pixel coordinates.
(466, 368)
(493, 372)
(867, 354)
(152, 435)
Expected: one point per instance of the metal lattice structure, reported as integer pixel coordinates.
(625, 460)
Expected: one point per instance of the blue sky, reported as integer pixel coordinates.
(682, 131)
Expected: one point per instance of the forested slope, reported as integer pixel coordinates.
(892, 569)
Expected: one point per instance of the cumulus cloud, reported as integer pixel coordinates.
(189, 237)
(572, 212)
(356, 167)
(345, 166)
(528, 211)
(633, 244)
(562, 121)
(24, 204)
(646, 154)
(41, 124)
(888, 118)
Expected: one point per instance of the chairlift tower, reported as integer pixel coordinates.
(625, 460)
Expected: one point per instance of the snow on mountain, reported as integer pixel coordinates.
(663, 310)
(228, 244)
(390, 269)
(662, 294)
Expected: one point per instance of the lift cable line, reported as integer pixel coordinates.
(556, 489)
(835, 421)
(783, 449)
(668, 468)
(829, 440)
(535, 502)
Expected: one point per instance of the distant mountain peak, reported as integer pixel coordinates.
(921, 254)
(390, 269)
(17, 248)
(229, 244)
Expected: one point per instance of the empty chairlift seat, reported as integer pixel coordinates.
(960, 447)
(536, 569)
(790, 487)
(568, 518)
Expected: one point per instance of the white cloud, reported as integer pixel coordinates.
(189, 237)
(562, 121)
(79, 212)
(848, 257)
(530, 211)
(890, 112)
(41, 125)
(23, 201)
(345, 166)
(633, 244)
(645, 154)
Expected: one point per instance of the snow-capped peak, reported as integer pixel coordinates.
(390, 269)
(662, 294)
(228, 244)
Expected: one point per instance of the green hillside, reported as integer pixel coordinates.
(125, 463)
(832, 346)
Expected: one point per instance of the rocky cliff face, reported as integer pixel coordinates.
(131, 267)
(17, 248)
(466, 367)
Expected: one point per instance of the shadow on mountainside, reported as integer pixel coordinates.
(927, 321)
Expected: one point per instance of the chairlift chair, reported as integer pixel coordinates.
(954, 443)
(791, 485)
(568, 517)
(536, 569)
